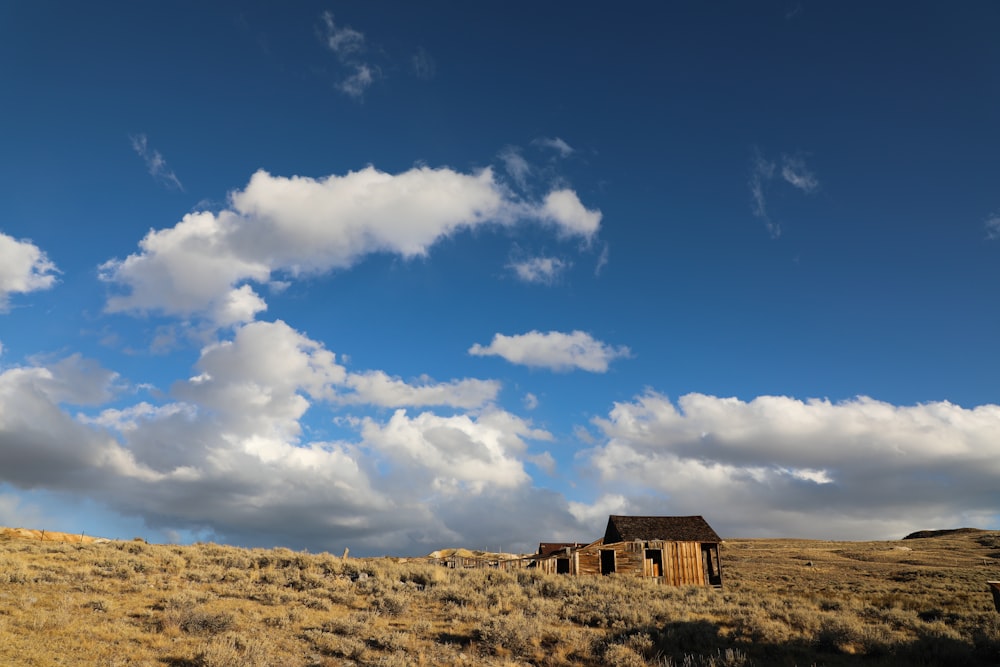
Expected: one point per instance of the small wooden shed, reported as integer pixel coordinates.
(557, 557)
(675, 550)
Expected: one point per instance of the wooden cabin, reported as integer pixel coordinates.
(556, 557)
(675, 550)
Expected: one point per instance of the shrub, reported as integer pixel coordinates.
(235, 650)
(196, 621)
(392, 603)
(619, 655)
(347, 625)
(511, 633)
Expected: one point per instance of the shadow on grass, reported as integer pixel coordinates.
(453, 638)
(179, 662)
(700, 644)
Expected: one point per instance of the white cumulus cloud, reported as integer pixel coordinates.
(780, 466)
(565, 209)
(378, 388)
(600, 509)
(459, 454)
(24, 267)
(228, 453)
(300, 225)
(554, 350)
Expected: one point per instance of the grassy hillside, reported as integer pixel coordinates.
(785, 602)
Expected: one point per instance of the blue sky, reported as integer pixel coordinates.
(399, 276)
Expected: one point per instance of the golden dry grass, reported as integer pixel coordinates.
(46, 536)
(785, 602)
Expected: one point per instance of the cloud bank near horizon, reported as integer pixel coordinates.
(227, 455)
(776, 465)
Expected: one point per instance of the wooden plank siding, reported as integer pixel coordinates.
(672, 563)
(557, 557)
(556, 564)
(588, 561)
(672, 550)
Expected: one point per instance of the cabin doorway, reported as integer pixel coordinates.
(607, 561)
(562, 565)
(654, 562)
(711, 564)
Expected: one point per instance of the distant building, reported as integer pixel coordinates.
(556, 557)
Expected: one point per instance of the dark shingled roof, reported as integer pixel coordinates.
(667, 528)
(551, 548)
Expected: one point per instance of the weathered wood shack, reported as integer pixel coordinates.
(556, 557)
(675, 550)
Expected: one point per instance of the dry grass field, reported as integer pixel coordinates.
(785, 602)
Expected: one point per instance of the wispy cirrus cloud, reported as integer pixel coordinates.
(560, 205)
(356, 84)
(992, 225)
(541, 270)
(156, 165)
(544, 152)
(423, 64)
(344, 41)
(763, 172)
(348, 45)
(602, 259)
(515, 164)
(555, 143)
(795, 173)
(554, 350)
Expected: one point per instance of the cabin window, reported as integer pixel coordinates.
(654, 562)
(562, 565)
(607, 561)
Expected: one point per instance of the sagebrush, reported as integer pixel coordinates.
(784, 602)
